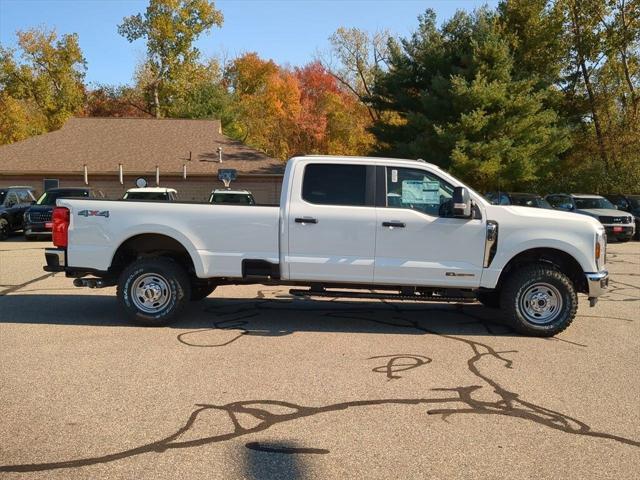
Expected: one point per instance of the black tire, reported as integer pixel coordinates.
(30, 238)
(200, 292)
(489, 299)
(161, 276)
(4, 229)
(552, 286)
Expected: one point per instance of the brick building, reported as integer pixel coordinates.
(109, 154)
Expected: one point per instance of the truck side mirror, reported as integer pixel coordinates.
(461, 203)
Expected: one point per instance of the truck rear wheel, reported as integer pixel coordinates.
(153, 290)
(539, 300)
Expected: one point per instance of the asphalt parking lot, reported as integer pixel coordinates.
(254, 384)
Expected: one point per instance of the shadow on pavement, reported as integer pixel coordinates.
(276, 459)
(259, 317)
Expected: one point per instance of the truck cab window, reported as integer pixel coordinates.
(416, 189)
(335, 184)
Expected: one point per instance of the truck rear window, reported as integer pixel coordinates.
(334, 184)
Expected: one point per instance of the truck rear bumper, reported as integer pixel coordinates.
(597, 284)
(56, 259)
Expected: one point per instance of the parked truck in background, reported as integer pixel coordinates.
(372, 227)
(37, 218)
(228, 196)
(151, 194)
(617, 225)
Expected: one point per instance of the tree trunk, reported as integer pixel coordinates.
(594, 114)
(156, 100)
(625, 63)
(589, 87)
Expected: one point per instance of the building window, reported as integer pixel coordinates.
(50, 183)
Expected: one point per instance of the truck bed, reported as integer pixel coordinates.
(217, 237)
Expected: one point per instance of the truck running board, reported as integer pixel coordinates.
(380, 296)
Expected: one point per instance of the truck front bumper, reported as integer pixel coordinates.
(597, 284)
(56, 259)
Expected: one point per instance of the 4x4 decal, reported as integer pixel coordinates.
(94, 213)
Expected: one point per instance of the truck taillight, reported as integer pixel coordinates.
(60, 227)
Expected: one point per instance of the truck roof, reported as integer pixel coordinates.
(233, 192)
(152, 190)
(368, 160)
(586, 195)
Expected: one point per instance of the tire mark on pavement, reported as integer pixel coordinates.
(394, 364)
(231, 324)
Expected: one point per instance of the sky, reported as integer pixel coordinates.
(291, 32)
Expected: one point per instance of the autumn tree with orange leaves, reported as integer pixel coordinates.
(286, 112)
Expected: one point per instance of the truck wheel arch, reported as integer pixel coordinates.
(150, 245)
(560, 259)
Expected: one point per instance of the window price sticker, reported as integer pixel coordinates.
(420, 192)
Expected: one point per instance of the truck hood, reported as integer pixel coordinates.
(542, 217)
(40, 208)
(603, 212)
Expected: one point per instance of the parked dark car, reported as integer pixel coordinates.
(630, 204)
(14, 201)
(37, 219)
(618, 225)
(519, 199)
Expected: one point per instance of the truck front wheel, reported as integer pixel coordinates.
(153, 290)
(539, 300)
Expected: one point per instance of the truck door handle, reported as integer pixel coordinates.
(394, 224)
(306, 220)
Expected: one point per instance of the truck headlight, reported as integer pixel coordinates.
(601, 250)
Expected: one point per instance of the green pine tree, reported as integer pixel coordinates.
(461, 105)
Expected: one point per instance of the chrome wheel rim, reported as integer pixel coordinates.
(150, 293)
(541, 303)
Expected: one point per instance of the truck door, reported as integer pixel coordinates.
(332, 223)
(415, 243)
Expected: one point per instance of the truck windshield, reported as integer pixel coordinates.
(595, 202)
(530, 201)
(634, 200)
(232, 198)
(145, 196)
(50, 197)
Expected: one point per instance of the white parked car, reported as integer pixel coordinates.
(157, 194)
(231, 197)
(402, 227)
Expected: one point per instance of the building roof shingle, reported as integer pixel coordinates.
(139, 144)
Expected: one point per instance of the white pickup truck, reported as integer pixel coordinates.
(347, 227)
